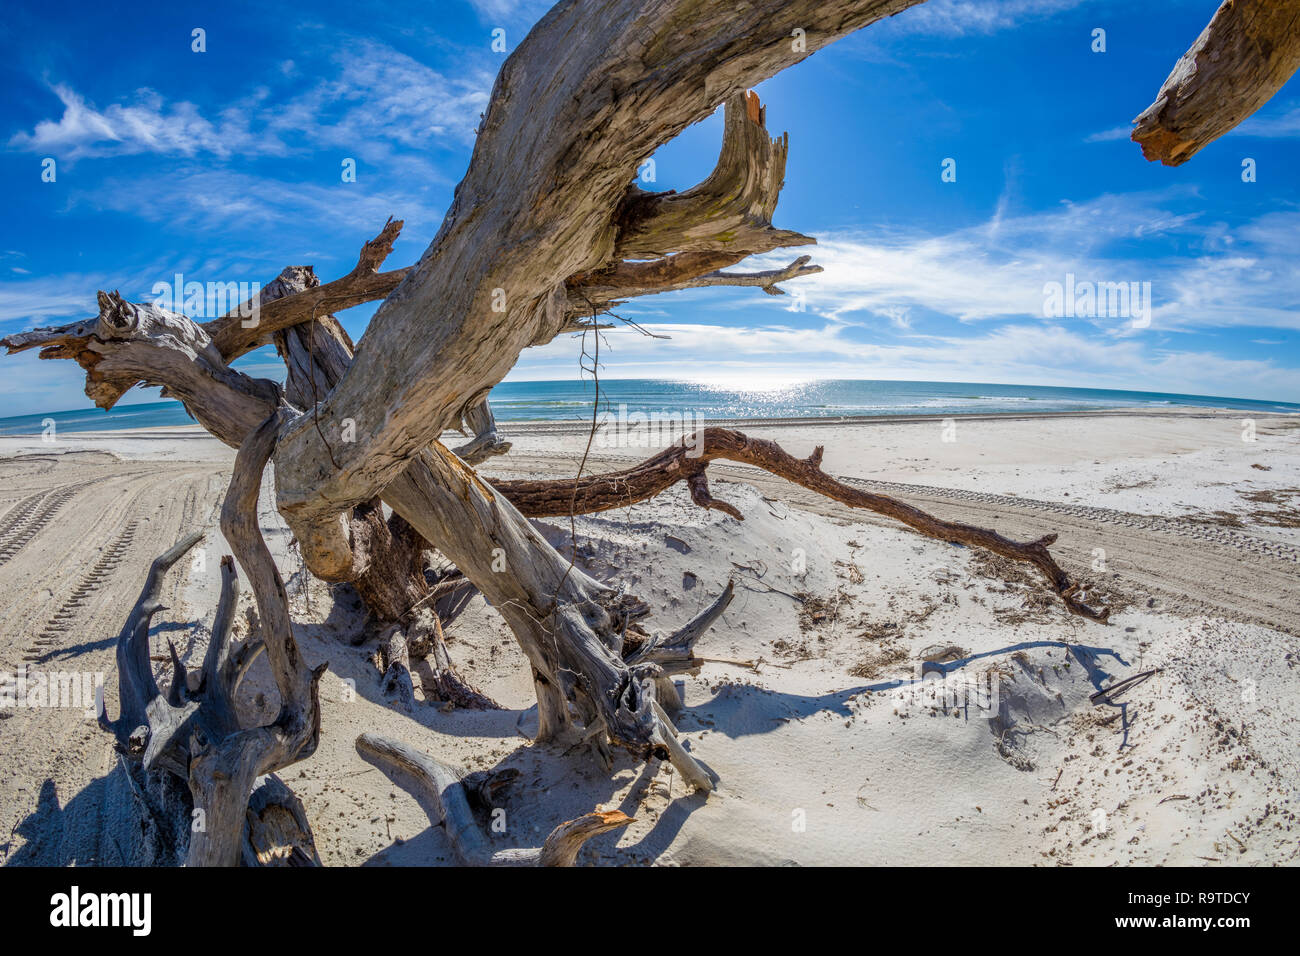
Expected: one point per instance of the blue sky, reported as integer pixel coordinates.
(225, 166)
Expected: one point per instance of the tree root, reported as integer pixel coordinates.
(198, 736)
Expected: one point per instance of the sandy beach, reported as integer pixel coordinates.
(871, 696)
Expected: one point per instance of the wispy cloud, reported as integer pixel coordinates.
(1033, 354)
(29, 302)
(383, 96)
(1283, 126)
(147, 124)
(1202, 275)
(1110, 135)
(510, 11)
(378, 98)
(963, 17)
(236, 203)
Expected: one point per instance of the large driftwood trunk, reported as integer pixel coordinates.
(497, 278)
(1245, 55)
(386, 554)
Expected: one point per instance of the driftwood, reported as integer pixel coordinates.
(1107, 695)
(514, 235)
(504, 273)
(284, 309)
(227, 758)
(247, 813)
(442, 791)
(1245, 55)
(397, 666)
(689, 459)
(670, 241)
(386, 563)
(571, 627)
(486, 443)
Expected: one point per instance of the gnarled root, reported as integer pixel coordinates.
(198, 736)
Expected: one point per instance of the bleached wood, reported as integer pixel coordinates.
(304, 298)
(593, 90)
(197, 737)
(224, 769)
(690, 769)
(729, 212)
(441, 790)
(1245, 55)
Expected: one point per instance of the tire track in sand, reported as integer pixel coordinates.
(63, 598)
(30, 516)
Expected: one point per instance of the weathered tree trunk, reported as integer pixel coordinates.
(1245, 55)
(387, 554)
(238, 811)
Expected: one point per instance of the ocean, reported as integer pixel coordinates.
(552, 401)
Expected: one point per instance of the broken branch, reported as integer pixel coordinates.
(688, 460)
(1245, 55)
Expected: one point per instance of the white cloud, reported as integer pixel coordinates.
(378, 97)
(963, 17)
(237, 203)
(26, 303)
(873, 311)
(510, 11)
(146, 125)
(1028, 354)
(1110, 135)
(1201, 275)
(381, 96)
(1284, 126)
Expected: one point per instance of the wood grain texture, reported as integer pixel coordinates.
(1246, 53)
(595, 88)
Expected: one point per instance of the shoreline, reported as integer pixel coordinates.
(577, 426)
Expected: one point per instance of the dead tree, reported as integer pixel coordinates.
(240, 811)
(1244, 56)
(547, 232)
(388, 555)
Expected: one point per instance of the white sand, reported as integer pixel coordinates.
(826, 749)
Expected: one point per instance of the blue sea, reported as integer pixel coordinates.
(557, 401)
